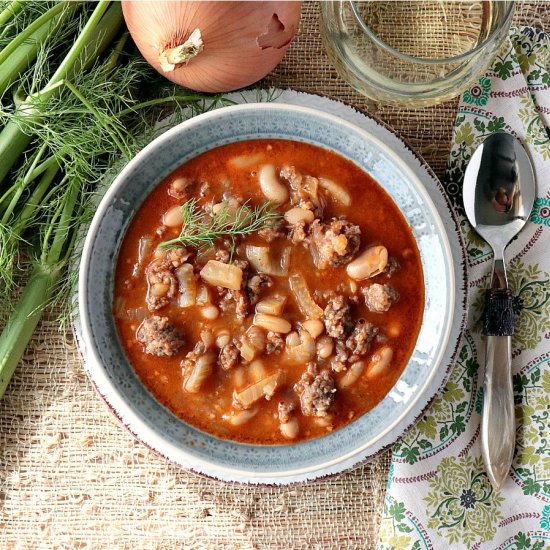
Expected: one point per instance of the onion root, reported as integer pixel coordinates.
(171, 57)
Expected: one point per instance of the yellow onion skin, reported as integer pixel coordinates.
(243, 41)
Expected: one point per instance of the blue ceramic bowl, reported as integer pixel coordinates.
(155, 425)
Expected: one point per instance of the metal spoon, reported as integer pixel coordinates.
(499, 190)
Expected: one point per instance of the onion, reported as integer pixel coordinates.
(305, 301)
(212, 46)
(261, 260)
(305, 350)
(201, 371)
(144, 248)
(187, 284)
(265, 387)
(219, 274)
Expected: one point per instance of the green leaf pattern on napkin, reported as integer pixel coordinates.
(532, 461)
(438, 493)
(462, 505)
(398, 529)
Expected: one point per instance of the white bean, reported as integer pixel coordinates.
(256, 370)
(270, 185)
(314, 326)
(173, 217)
(272, 322)
(223, 338)
(303, 352)
(210, 312)
(290, 429)
(203, 296)
(207, 338)
(394, 329)
(325, 347)
(379, 362)
(242, 162)
(179, 185)
(238, 418)
(369, 263)
(299, 215)
(337, 191)
(239, 377)
(256, 336)
(352, 374)
(230, 206)
(293, 339)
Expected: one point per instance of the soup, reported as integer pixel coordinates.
(268, 291)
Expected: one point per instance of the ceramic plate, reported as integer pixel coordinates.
(411, 185)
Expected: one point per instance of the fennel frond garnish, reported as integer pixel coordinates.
(201, 231)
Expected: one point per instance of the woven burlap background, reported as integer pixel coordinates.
(70, 477)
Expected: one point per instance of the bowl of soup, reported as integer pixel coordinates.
(266, 293)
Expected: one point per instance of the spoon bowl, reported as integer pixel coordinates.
(499, 190)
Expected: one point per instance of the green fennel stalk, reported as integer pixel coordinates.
(10, 11)
(21, 325)
(93, 39)
(26, 52)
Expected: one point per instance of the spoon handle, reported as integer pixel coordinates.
(498, 426)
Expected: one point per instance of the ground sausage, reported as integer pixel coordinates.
(269, 234)
(337, 317)
(160, 275)
(303, 190)
(229, 356)
(297, 232)
(159, 336)
(379, 298)
(255, 285)
(359, 340)
(274, 343)
(242, 301)
(284, 410)
(223, 255)
(392, 267)
(234, 299)
(339, 362)
(316, 391)
(334, 243)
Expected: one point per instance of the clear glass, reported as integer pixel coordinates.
(413, 53)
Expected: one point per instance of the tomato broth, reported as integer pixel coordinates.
(321, 306)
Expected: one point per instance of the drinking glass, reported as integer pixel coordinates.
(413, 53)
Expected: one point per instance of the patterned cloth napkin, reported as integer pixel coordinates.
(438, 493)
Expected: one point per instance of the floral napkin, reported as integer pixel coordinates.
(439, 496)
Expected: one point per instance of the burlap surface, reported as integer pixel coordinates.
(70, 477)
